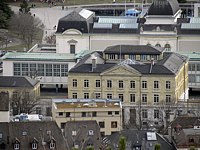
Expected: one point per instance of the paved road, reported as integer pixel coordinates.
(49, 17)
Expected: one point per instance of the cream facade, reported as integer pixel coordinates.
(140, 93)
(107, 113)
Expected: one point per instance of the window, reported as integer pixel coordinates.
(144, 84)
(25, 71)
(62, 125)
(86, 83)
(132, 57)
(102, 124)
(98, 84)
(33, 70)
(34, 145)
(64, 70)
(144, 98)
(111, 56)
(144, 113)
(74, 95)
(74, 82)
(132, 84)
(109, 112)
(83, 114)
(158, 45)
(40, 69)
(156, 98)
(86, 95)
(94, 114)
(198, 67)
(156, 84)
(52, 145)
(114, 124)
(121, 97)
(56, 70)
(16, 146)
(17, 69)
(167, 47)
(72, 49)
(192, 67)
(97, 95)
(168, 98)
(121, 56)
(68, 114)
(49, 70)
(60, 113)
(121, 84)
(191, 140)
(109, 83)
(168, 85)
(156, 114)
(116, 112)
(109, 96)
(132, 98)
(144, 57)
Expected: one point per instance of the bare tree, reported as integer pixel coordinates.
(23, 102)
(26, 26)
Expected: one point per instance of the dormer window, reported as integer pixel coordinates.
(52, 144)
(34, 144)
(16, 144)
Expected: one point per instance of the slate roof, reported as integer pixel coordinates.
(26, 132)
(17, 81)
(186, 122)
(162, 27)
(83, 138)
(134, 49)
(163, 7)
(138, 137)
(169, 65)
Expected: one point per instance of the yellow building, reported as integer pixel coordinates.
(107, 113)
(23, 92)
(149, 85)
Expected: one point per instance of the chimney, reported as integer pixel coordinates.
(94, 62)
(152, 63)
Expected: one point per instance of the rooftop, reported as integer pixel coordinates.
(39, 56)
(85, 103)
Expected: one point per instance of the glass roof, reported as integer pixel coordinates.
(195, 20)
(122, 20)
(190, 26)
(128, 26)
(102, 25)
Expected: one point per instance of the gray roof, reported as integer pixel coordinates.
(136, 137)
(17, 81)
(169, 65)
(163, 7)
(87, 133)
(134, 49)
(26, 132)
(4, 101)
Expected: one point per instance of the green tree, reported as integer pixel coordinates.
(122, 143)
(5, 14)
(157, 147)
(24, 8)
(90, 148)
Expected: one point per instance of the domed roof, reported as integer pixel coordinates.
(163, 7)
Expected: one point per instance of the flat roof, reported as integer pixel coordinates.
(85, 103)
(193, 56)
(63, 57)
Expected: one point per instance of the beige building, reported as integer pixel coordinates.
(107, 113)
(149, 85)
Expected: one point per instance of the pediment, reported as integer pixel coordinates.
(72, 32)
(123, 70)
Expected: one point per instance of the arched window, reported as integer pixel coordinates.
(167, 47)
(148, 44)
(158, 45)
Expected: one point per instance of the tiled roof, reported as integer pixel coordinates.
(17, 81)
(87, 133)
(185, 122)
(26, 132)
